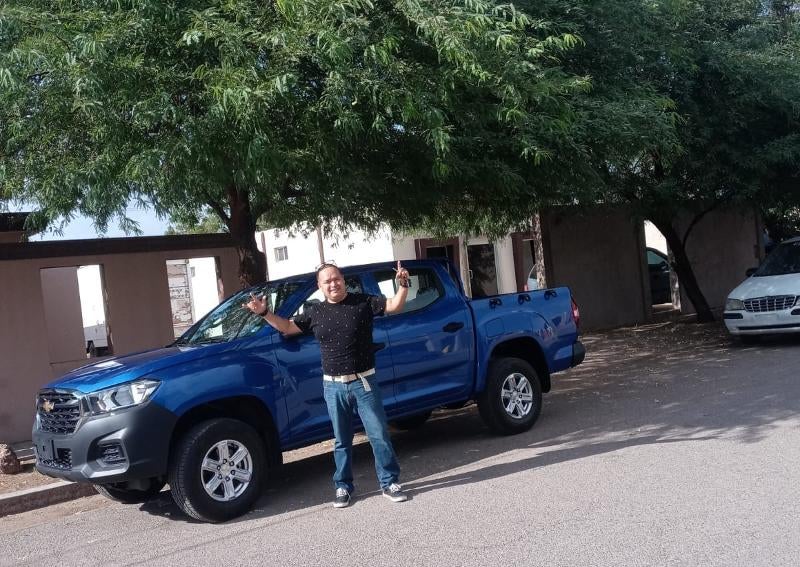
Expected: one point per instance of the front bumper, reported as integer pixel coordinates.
(125, 445)
(765, 323)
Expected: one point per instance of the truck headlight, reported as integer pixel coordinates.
(734, 304)
(122, 396)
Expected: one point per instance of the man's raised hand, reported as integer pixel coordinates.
(257, 305)
(402, 275)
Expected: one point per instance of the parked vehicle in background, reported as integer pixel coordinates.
(96, 338)
(532, 284)
(768, 301)
(658, 271)
(212, 413)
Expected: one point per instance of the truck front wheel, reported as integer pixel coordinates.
(512, 399)
(217, 470)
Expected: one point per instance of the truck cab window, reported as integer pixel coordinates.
(230, 321)
(425, 287)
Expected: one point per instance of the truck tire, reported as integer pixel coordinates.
(121, 493)
(411, 422)
(217, 470)
(512, 399)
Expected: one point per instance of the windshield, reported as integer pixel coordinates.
(785, 259)
(229, 320)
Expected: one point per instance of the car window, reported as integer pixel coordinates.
(655, 259)
(230, 320)
(352, 283)
(425, 289)
(785, 259)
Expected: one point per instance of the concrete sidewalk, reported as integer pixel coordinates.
(41, 496)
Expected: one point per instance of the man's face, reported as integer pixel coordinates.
(331, 284)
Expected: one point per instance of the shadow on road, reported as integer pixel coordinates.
(659, 384)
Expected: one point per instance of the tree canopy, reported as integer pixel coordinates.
(703, 100)
(288, 111)
(453, 115)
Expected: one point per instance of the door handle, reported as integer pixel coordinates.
(452, 327)
(550, 293)
(378, 346)
(495, 302)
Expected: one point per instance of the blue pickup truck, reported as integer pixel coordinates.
(212, 413)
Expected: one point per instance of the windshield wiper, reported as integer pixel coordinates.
(208, 341)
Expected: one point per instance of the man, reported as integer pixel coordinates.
(343, 326)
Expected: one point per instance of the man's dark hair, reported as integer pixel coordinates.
(326, 265)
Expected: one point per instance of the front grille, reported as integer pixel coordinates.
(62, 461)
(59, 412)
(771, 303)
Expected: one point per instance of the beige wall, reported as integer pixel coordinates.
(721, 247)
(600, 256)
(62, 314)
(138, 310)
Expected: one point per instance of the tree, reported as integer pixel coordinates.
(740, 130)
(692, 107)
(288, 111)
(726, 73)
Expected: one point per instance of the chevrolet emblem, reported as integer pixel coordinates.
(48, 406)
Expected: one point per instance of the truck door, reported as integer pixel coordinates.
(430, 342)
(299, 359)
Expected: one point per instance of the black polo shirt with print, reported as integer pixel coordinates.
(344, 331)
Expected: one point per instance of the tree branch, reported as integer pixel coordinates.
(697, 219)
(217, 208)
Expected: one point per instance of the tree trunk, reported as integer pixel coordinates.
(242, 227)
(685, 272)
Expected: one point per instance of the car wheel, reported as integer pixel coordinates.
(217, 470)
(125, 493)
(512, 399)
(411, 422)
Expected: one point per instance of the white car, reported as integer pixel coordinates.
(768, 302)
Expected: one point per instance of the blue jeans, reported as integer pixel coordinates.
(343, 401)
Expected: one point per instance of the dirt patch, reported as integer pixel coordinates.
(28, 478)
(664, 336)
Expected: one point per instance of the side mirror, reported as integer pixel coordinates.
(750, 271)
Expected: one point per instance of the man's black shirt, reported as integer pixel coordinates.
(344, 331)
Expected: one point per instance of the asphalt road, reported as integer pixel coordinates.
(657, 451)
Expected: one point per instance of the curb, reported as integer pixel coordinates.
(41, 496)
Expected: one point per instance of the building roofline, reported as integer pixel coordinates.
(125, 245)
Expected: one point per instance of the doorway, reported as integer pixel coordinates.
(435, 248)
(482, 270)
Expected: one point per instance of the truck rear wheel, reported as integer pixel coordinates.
(512, 399)
(128, 494)
(217, 470)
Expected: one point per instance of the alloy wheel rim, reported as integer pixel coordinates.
(226, 470)
(517, 396)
